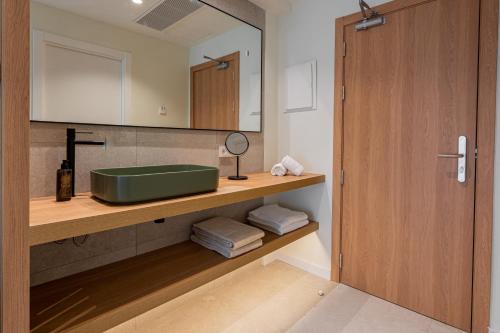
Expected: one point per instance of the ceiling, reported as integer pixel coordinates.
(192, 29)
(277, 7)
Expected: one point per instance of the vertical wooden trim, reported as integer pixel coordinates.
(337, 148)
(15, 165)
(483, 227)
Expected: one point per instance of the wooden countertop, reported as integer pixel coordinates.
(99, 299)
(51, 220)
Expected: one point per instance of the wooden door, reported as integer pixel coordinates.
(407, 223)
(215, 94)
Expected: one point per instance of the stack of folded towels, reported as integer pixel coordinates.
(277, 219)
(227, 236)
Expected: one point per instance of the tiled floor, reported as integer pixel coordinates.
(347, 310)
(278, 298)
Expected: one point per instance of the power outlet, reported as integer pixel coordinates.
(223, 152)
(162, 110)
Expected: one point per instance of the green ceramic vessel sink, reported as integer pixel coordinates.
(137, 184)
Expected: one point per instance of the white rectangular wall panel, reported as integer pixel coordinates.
(301, 87)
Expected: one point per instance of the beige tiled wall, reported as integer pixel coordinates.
(129, 146)
(126, 146)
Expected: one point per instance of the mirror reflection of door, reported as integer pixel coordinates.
(215, 94)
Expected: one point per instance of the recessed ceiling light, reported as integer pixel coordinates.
(137, 2)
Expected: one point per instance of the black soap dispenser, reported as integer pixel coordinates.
(64, 175)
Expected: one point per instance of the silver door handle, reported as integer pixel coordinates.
(450, 155)
(461, 158)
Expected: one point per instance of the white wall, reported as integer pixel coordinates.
(244, 39)
(495, 277)
(270, 92)
(308, 33)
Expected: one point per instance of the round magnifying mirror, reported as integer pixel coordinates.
(237, 144)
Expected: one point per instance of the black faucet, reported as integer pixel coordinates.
(71, 142)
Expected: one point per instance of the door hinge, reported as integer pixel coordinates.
(476, 153)
(340, 261)
(344, 52)
(342, 177)
(343, 93)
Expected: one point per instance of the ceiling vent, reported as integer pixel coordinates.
(167, 12)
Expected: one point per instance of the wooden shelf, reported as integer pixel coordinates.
(51, 220)
(99, 299)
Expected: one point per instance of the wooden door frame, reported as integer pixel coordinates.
(15, 145)
(486, 112)
(235, 57)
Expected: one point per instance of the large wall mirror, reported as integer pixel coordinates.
(150, 63)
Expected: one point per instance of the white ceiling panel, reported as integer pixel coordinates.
(190, 30)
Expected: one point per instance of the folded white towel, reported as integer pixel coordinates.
(276, 227)
(278, 170)
(225, 251)
(292, 165)
(280, 230)
(277, 214)
(227, 232)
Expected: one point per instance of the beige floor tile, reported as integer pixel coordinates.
(126, 327)
(281, 311)
(346, 310)
(378, 313)
(161, 311)
(279, 298)
(333, 313)
(365, 326)
(437, 327)
(256, 292)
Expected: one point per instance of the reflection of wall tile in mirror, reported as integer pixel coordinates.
(52, 260)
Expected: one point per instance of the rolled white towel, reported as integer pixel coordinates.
(278, 170)
(292, 165)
